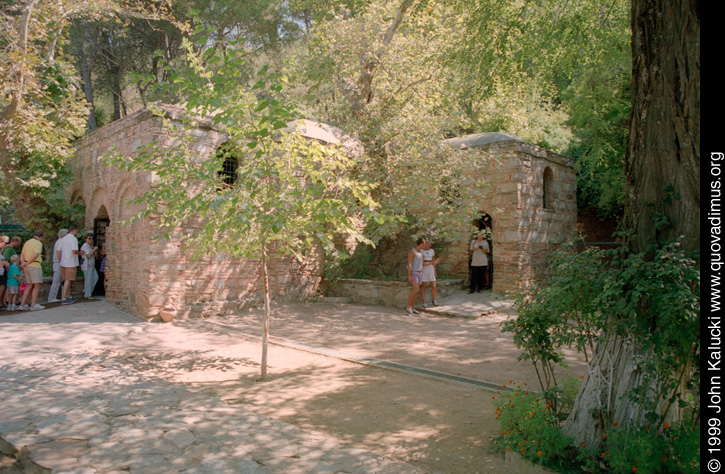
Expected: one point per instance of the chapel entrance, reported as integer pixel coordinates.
(100, 224)
(485, 223)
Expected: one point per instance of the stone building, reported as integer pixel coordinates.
(146, 275)
(530, 194)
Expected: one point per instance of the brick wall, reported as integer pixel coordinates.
(523, 230)
(146, 274)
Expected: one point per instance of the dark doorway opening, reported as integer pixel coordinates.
(100, 224)
(485, 223)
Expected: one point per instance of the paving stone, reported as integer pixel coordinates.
(82, 411)
(180, 438)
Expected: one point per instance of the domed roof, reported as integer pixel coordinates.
(326, 134)
(480, 139)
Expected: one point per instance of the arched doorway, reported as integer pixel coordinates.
(100, 224)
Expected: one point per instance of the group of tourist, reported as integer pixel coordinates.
(21, 274)
(422, 267)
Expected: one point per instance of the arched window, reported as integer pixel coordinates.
(229, 164)
(548, 188)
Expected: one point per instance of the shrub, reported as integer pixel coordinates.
(646, 450)
(530, 427)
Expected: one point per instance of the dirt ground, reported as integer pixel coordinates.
(437, 426)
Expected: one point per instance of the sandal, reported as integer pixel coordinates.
(411, 311)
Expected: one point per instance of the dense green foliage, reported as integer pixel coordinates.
(400, 76)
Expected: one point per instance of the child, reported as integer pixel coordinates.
(13, 283)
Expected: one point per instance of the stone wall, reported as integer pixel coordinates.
(512, 193)
(146, 273)
(523, 230)
(387, 293)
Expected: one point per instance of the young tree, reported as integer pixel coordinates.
(288, 197)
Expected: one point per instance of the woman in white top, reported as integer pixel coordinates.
(415, 273)
(429, 272)
(90, 275)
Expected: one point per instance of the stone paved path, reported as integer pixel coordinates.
(80, 410)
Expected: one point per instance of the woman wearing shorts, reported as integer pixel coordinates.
(415, 273)
(429, 273)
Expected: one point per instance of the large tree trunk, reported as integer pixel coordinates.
(663, 146)
(602, 401)
(663, 149)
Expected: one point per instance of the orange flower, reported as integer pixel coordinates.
(647, 429)
(604, 435)
(634, 469)
(583, 446)
(539, 453)
(493, 397)
(664, 458)
(666, 425)
(604, 455)
(512, 405)
(548, 406)
(504, 431)
(508, 448)
(615, 423)
(522, 450)
(511, 381)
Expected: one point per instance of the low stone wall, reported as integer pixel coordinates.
(76, 288)
(387, 293)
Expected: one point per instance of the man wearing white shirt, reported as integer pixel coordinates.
(55, 286)
(69, 262)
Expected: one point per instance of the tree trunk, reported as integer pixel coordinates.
(663, 149)
(86, 52)
(18, 76)
(663, 146)
(602, 401)
(267, 313)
